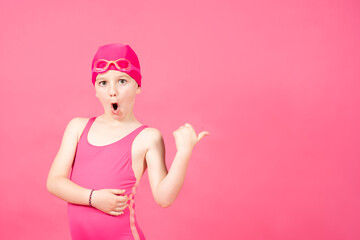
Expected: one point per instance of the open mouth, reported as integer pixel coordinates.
(114, 105)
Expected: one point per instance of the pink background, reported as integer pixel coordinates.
(276, 83)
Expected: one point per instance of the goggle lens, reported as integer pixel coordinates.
(123, 64)
(101, 64)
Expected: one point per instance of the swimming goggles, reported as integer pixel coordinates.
(101, 65)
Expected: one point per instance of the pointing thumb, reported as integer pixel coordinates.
(202, 134)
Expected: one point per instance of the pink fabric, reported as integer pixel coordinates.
(113, 51)
(99, 167)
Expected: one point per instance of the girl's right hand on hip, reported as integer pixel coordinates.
(109, 201)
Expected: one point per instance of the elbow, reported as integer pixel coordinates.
(48, 185)
(164, 204)
(164, 198)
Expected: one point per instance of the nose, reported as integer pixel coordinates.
(112, 91)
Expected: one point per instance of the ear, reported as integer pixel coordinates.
(138, 90)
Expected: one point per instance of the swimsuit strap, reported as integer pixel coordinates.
(131, 135)
(87, 127)
(135, 132)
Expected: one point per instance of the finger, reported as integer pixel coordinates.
(117, 191)
(188, 125)
(116, 213)
(122, 207)
(202, 134)
(122, 204)
(123, 199)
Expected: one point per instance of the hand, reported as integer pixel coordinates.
(186, 138)
(108, 201)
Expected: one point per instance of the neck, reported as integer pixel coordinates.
(122, 119)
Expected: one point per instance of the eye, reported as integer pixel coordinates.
(122, 81)
(102, 83)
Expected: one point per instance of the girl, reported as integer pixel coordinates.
(108, 155)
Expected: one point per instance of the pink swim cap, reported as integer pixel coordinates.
(122, 55)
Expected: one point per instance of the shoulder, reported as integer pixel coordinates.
(152, 133)
(77, 125)
(78, 122)
(152, 136)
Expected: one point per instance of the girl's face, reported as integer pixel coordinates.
(116, 91)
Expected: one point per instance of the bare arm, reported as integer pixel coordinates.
(167, 185)
(106, 200)
(57, 182)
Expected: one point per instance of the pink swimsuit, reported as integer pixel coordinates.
(99, 167)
